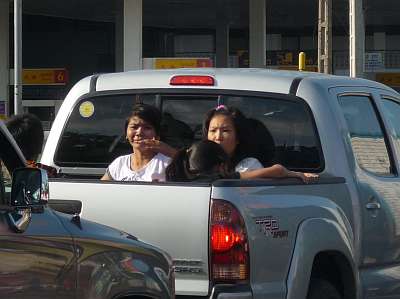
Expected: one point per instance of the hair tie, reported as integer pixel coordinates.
(221, 107)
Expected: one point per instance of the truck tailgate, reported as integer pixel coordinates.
(162, 215)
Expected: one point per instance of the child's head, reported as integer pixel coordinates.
(206, 157)
(27, 131)
(203, 158)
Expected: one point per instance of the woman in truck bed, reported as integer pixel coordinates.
(144, 163)
(228, 127)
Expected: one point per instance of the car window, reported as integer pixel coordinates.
(391, 110)
(5, 181)
(288, 124)
(180, 126)
(9, 161)
(366, 134)
(94, 135)
(284, 129)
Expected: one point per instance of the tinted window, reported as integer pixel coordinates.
(288, 125)
(391, 110)
(4, 180)
(8, 162)
(284, 129)
(94, 135)
(183, 118)
(366, 134)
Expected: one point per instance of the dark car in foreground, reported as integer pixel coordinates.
(49, 254)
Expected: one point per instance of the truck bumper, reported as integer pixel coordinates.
(229, 291)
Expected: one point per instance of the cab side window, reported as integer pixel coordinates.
(5, 183)
(366, 134)
(391, 110)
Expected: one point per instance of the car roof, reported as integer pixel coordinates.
(263, 80)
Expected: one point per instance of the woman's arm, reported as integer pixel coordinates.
(158, 146)
(277, 171)
(106, 177)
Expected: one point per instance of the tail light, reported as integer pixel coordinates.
(229, 253)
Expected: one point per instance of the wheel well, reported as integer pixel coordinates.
(334, 267)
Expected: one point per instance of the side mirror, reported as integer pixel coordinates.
(71, 207)
(30, 187)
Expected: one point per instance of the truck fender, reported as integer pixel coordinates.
(314, 236)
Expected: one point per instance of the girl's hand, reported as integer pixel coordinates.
(307, 177)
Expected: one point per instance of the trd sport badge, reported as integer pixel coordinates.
(269, 226)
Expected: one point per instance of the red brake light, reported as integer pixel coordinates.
(223, 238)
(229, 256)
(192, 80)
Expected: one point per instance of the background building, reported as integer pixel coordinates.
(64, 41)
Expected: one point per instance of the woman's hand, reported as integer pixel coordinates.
(158, 146)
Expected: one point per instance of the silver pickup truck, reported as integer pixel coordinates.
(335, 238)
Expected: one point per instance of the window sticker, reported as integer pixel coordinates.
(86, 109)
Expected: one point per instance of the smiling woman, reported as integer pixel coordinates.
(146, 163)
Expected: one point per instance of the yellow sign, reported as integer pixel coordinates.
(173, 63)
(44, 76)
(390, 79)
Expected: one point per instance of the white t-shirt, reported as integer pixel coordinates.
(120, 169)
(248, 164)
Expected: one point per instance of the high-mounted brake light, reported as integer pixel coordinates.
(192, 80)
(229, 253)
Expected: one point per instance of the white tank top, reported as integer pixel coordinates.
(120, 169)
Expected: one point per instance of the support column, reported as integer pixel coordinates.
(119, 35)
(133, 28)
(18, 57)
(357, 38)
(258, 33)
(325, 37)
(4, 57)
(222, 36)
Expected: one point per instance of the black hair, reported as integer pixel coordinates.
(149, 114)
(27, 131)
(199, 160)
(241, 128)
(262, 142)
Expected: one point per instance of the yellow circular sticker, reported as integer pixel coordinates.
(86, 109)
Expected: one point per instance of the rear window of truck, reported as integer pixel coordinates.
(283, 127)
